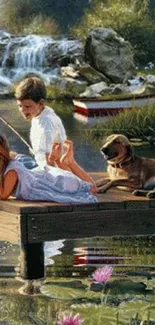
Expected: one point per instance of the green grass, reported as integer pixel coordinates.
(147, 71)
(139, 123)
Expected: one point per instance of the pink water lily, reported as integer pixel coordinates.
(103, 274)
(70, 320)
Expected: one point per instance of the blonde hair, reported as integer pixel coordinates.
(31, 88)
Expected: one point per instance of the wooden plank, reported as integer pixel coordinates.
(112, 199)
(112, 205)
(9, 227)
(23, 229)
(47, 227)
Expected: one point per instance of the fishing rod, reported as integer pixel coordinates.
(17, 133)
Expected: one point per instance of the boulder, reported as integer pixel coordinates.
(63, 53)
(101, 89)
(110, 54)
(95, 90)
(146, 89)
(150, 79)
(69, 71)
(91, 74)
(72, 87)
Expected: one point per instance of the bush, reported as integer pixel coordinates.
(41, 25)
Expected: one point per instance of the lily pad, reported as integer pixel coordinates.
(93, 314)
(126, 286)
(105, 315)
(144, 309)
(65, 290)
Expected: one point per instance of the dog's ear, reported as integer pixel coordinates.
(129, 150)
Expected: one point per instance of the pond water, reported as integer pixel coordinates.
(129, 296)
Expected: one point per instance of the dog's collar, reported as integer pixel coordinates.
(121, 164)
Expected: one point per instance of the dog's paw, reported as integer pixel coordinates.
(135, 192)
(140, 193)
(151, 195)
(101, 189)
(101, 182)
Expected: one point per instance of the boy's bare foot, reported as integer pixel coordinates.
(55, 153)
(67, 158)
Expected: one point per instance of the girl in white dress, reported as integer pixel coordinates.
(67, 183)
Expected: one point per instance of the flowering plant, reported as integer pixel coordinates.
(69, 320)
(102, 275)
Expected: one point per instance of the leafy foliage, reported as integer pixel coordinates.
(42, 25)
(131, 19)
(25, 17)
(16, 15)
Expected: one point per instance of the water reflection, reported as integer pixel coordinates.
(133, 261)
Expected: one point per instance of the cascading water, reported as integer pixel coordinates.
(32, 54)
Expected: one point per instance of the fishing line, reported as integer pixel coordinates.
(17, 133)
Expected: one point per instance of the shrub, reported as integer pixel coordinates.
(42, 25)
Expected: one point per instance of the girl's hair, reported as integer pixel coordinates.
(31, 88)
(4, 154)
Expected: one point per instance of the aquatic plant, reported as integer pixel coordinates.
(138, 123)
(69, 320)
(102, 275)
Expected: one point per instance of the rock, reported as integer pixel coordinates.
(120, 89)
(91, 74)
(4, 35)
(150, 79)
(63, 53)
(69, 87)
(72, 87)
(146, 89)
(101, 89)
(110, 54)
(94, 90)
(2, 51)
(69, 71)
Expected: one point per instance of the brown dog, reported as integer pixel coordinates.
(125, 169)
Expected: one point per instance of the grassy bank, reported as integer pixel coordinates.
(137, 124)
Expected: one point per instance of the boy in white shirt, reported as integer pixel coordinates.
(46, 126)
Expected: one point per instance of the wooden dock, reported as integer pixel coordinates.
(30, 224)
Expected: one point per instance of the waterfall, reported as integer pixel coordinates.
(31, 52)
(22, 55)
